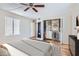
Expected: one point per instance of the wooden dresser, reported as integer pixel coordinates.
(74, 45)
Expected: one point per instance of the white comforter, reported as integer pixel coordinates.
(32, 47)
(13, 51)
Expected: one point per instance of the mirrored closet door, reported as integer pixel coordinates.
(52, 29)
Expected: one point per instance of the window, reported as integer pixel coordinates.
(16, 27)
(12, 26)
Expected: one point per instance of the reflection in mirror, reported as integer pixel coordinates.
(52, 29)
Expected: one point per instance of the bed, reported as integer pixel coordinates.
(12, 51)
(30, 48)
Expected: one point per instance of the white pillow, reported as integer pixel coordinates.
(4, 51)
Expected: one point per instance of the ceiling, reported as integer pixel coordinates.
(50, 9)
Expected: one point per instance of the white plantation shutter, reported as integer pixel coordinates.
(8, 26)
(12, 26)
(16, 27)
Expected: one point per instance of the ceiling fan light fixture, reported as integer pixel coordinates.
(26, 8)
(31, 5)
(35, 10)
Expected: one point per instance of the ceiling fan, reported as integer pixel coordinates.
(32, 5)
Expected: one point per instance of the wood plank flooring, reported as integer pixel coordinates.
(64, 47)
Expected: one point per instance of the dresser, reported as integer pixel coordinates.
(74, 45)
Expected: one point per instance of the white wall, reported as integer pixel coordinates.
(67, 29)
(25, 24)
(33, 28)
(75, 13)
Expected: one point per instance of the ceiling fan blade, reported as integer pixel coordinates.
(23, 4)
(38, 5)
(35, 10)
(26, 8)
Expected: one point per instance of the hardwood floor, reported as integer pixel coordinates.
(64, 47)
(65, 50)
